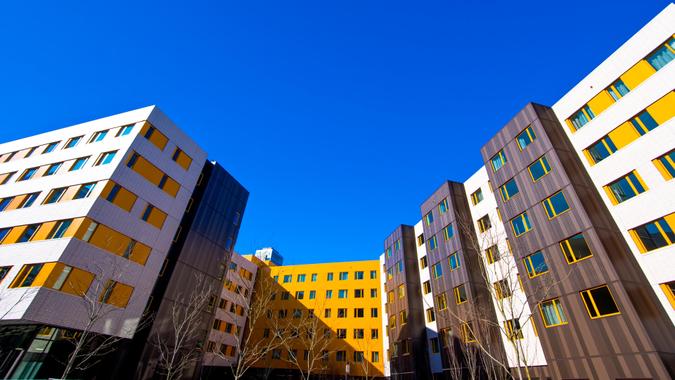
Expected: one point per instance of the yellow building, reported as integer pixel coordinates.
(341, 303)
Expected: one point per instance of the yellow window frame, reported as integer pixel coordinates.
(548, 202)
(668, 291)
(530, 134)
(610, 193)
(528, 228)
(657, 223)
(566, 243)
(660, 166)
(594, 305)
(557, 306)
(458, 296)
(539, 161)
(527, 260)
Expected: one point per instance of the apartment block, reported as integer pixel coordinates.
(89, 215)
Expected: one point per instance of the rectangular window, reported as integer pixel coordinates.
(437, 270)
(358, 275)
(484, 223)
(599, 302)
(52, 169)
(84, 191)
(666, 165)
(643, 123)
(342, 293)
(453, 260)
(668, 290)
(431, 316)
(301, 278)
(508, 189)
(5, 177)
(3, 272)
(460, 294)
(329, 276)
(521, 224)
(59, 229)
(299, 295)
(343, 276)
(617, 90)
(581, 117)
(512, 329)
(420, 240)
(329, 294)
(4, 232)
(535, 264)
(575, 248)
(468, 332)
(498, 160)
(373, 293)
(358, 312)
(403, 316)
(448, 232)
(600, 150)
(477, 196)
(50, 147)
(124, 130)
(401, 291)
(426, 287)
(502, 289)
(314, 277)
(373, 274)
(78, 164)
(552, 313)
(98, 136)
(432, 243)
(525, 138)
(359, 293)
(625, 188)
(73, 142)
(443, 206)
(662, 55)
(441, 301)
(492, 254)
(28, 233)
(5, 202)
(555, 205)
(539, 168)
(655, 234)
(288, 278)
(26, 275)
(423, 262)
(28, 200)
(27, 174)
(105, 158)
(429, 218)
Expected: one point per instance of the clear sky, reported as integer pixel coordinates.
(340, 117)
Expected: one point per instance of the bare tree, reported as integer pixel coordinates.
(178, 348)
(303, 330)
(249, 347)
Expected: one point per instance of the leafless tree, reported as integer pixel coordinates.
(177, 346)
(304, 333)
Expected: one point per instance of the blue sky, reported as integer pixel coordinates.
(340, 117)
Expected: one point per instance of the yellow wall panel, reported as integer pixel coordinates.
(148, 170)
(78, 282)
(157, 137)
(600, 102)
(171, 187)
(125, 199)
(184, 160)
(110, 240)
(69, 193)
(140, 253)
(157, 218)
(623, 135)
(53, 274)
(120, 295)
(14, 235)
(637, 74)
(106, 189)
(663, 109)
(670, 219)
(15, 202)
(74, 228)
(42, 277)
(44, 230)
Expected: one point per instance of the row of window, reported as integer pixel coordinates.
(71, 143)
(442, 207)
(341, 294)
(342, 276)
(655, 234)
(226, 327)
(453, 263)
(67, 279)
(554, 206)
(154, 175)
(84, 229)
(340, 356)
(234, 308)
(650, 118)
(395, 247)
(622, 86)
(158, 139)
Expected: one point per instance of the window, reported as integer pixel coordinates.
(602, 149)
(389, 251)
(441, 301)
(453, 260)
(397, 244)
(401, 291)
(98, 136)
(358, 312)
(643, 123)
(432, 243)
(5, 202)
(552, 313)
(666, 165)
(512, 329)
(468, 332)
(599, 302)
(373, 293)
(78, 164)
(124, 130)
(521, 224)
(344, 276)
(508, 189)
(4, 232)
(403, 316)
(625, 188)
(492, 254)
(535, 264)
(420, 240)
(50, 147)
(374, 334)
(314, 277)
(105, 158)
(358, 293)
(84, 191)
(477, 196)
(525, 138)
(26, 276)
(437, 270)
(301, 278)
(72, 142)
(28, 233)
(662, 55)
(539, 168)
(448, 232)
(341, 356)
(502, 289)
(431, 316)
(426, 286)
(575, 248)
(581, 117)
(358, 275)
(341, 334)
(498, 160)
(4, 271)
(52, 169)
(429, 218)
(329, 294)
(655, 234)
(460, 294)
(59, 229)
(668, 290)
(373, 274)
(327, 313)
(285, 296)
(484, 223)
(617, 90)
(443, 206)
(342, 293)
(27, 174)
(329, 276)
(423, 262)
(28, 200)
(555, 205)
(288, 278)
